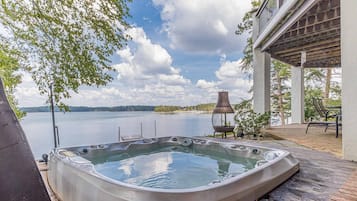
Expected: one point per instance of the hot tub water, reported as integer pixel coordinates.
(172, 167)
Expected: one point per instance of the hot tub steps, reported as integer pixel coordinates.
(131, 137)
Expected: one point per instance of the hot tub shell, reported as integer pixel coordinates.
(73, 178)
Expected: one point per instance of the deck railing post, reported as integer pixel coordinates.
(141, 129)
(53, 115)
(155, 127)
(58, 138)
(119, 134)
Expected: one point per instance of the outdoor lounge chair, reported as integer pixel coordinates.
(325, 115)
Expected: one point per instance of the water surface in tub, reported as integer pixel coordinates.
(171, 167)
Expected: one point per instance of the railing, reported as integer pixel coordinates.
(270, 8)
(57, 136)
(133, 136)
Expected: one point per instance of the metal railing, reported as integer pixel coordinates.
(132, 137)
(57, 136)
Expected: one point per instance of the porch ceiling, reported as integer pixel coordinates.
(317, 32)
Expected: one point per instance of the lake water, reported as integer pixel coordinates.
(86, 128)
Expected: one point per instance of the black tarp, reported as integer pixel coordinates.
(20, 178)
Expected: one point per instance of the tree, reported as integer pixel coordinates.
(246, 26)
(65, 43)
(309, 109)
(314, 79)
(327, 83)
(332, 93)
(280, 90)
(8, 68)
(333, 86)
(166, 108)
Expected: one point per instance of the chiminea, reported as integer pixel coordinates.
(223, 115)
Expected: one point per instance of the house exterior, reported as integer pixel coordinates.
(308, 34)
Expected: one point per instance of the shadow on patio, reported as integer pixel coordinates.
(316, 138)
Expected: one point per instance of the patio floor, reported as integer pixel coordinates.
(322, 141)
(316, 138)
(322, 176)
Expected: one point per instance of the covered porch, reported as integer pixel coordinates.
(308, 34)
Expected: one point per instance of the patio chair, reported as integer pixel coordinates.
(324, 114)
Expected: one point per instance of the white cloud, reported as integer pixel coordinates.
(203, 26)
(145, 76)
(220, 28)
(160, 89)
(147, 61)
(203, 84)
(27, 92)
(231, 79)
(229, 70)
(173, 79)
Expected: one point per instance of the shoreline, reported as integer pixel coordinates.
(187, 112)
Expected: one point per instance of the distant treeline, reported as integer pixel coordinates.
(92, 109)
(200, 107)
(166, 108)
(161, 108)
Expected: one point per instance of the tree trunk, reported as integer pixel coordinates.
(280, 100)
(327, 84)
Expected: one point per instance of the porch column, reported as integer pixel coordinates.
(297, 92)
(261, 81)
(261, 75)
(349, 75)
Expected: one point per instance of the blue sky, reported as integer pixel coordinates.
(182, 53)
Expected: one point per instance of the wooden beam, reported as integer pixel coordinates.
(330, 61)
(317, 44)
(325, 25)
(321, 48)
(282, 59)
(307, 38)
(301, 41)
(316, 54)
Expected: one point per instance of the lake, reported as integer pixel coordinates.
(86, 128)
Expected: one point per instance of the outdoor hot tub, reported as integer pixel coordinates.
(168, 168)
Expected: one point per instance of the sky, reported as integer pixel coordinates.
(181, 53)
